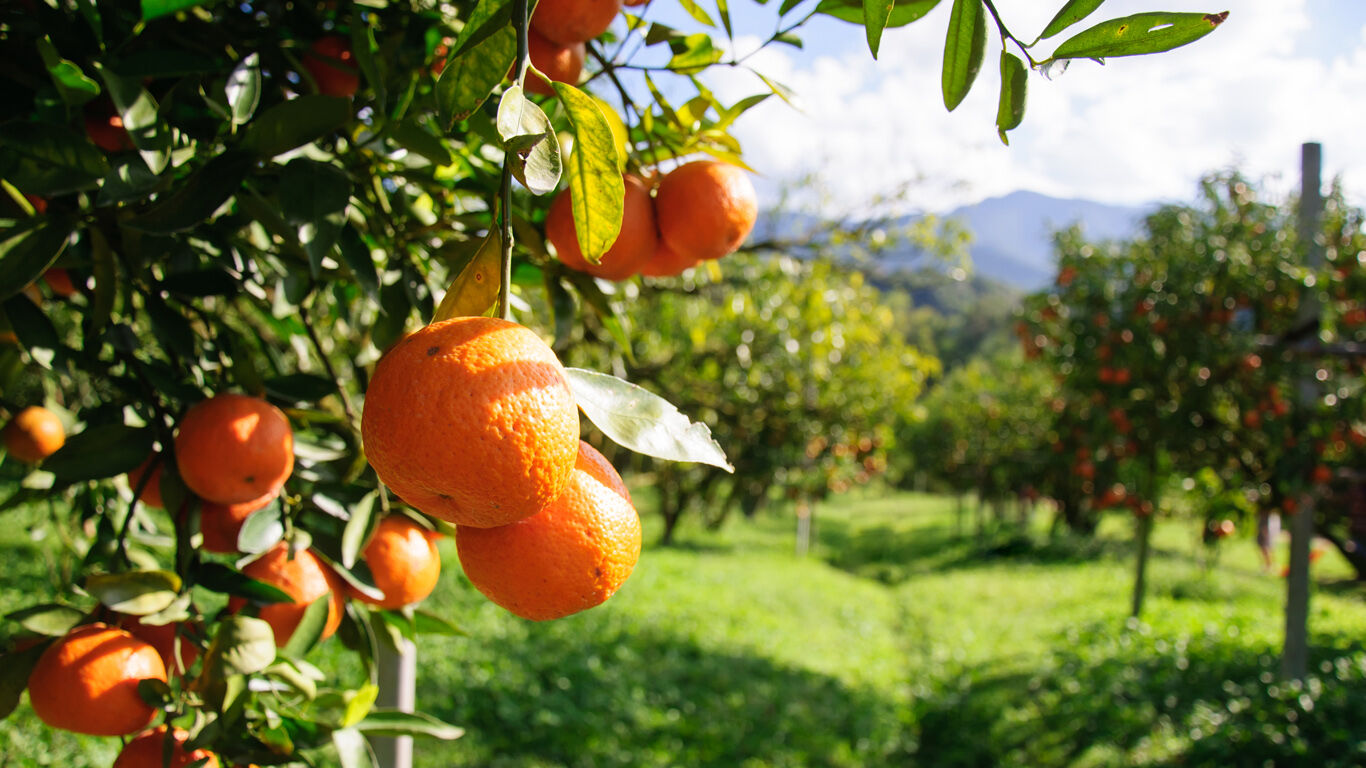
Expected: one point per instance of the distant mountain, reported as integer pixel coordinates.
(1012, 235)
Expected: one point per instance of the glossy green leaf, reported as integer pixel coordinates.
(963, 50)
(1014, 81)
(28, 250)
(697, 12)
(138, 110)
(198, 197)
(34, 329)
(310, 628)
(49, 159)
(723, 10)
(154, 693)
(469, 78)
(427, 623)
(14, 672)
(261, 530)
(530, 142)
(358, 529)
(104, 269)
(152, 9)
(353, 751)
(242, 646)
(1071, 13)
(388, 722)
(101, 451)
(875, 15)
(243, 89)
(642, 421)
(313, 198)
(366, 50)
(47, 619)
(1139, 34)
(127, 181)
(415, 138)
(217, 577)
(136, 593)
(902, 13)
(72, 84)
(597, 191)
(171, 329)
(693, 53)
(294, 123)
(355, 254)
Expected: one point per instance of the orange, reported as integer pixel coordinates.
(87, 682)
(163, 639)
(332, 66)
(220, 523)
(148, 750)
(234, 448)
(105, 128)
(706, 209)
(666, 263)
(151, 492)
(634, 245)
(403, 560)
(571, 556)
(560, 62)
(303, 577)
(34, 434)
(59, 280)
(573, 21)
(471, 420)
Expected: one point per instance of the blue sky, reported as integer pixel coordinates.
(1139, 129)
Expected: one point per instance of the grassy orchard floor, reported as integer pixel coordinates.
(894, 643)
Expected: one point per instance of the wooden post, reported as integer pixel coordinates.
(1145, 535)
(1295, 654)
(397, 690)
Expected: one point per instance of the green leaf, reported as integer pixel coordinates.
(201, 282)
(261, 530)
(642, 421)
(104, 268)
(127, 181)
(469, 77)
(313, 198)
(1071, 13)
(136, 593)
(243, 89)
(364, 47)
(902, 13)
(359, 703)
(14, 671)
(696, 11)
(1139, 34)
(47, 619)
(693, 53)
(28, 250)
(963, 50)
(294, 123)
(152, 9)
(388, 722)
(217, 577)
(428, 623)
(530, 142)
(198, 197)
(154, 693)
(353, 751)
(49, 159)
(138, 110)
(170, 328)
(475, 288)
(72, 84)
(34, 329)
(723, 8)
(291, 675)
(310, 628)
(875, 15)
(358, 529)
(101, 451)
(596, 188)
(1014, 80)
(242, 646)
(300, 387)
(355, 254)
(412, 136)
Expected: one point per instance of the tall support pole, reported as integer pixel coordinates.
(1295, 655)
(397, 690)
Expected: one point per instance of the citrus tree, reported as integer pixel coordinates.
(218, 218)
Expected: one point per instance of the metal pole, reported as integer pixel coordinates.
(1295, 655)
(397, 690)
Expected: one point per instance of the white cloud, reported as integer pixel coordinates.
(1134, 130)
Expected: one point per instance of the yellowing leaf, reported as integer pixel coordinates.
(475, 289)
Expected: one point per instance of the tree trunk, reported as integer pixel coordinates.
(1145, 532)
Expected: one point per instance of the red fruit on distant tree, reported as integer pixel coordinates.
(332, 66)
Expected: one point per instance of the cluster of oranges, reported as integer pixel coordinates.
(472, 421)
(700, 211)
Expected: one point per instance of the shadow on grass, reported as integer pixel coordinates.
(646, 699)
(1129, 698)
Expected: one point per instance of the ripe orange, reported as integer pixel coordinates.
(571, 556)
(706, 209)
(87, 682)
(151, 492)
(147, 750)
(666, 263)
(303, 577)
(105, 128)
(234, 448)
(573, 21)
(633, 247)
(34, 434)
(472, 421)
(220, 523)
(332, 66)
(560, 62)
(163, 639)
(59, 280)
(403, 559)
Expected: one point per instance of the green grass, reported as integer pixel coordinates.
(895, 642)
